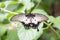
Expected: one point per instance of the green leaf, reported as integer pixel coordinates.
(5, 21)
(9, 15)
(2, 5)
(40, 11)
(12, 35)
(27, 4)
(57, 23)
(12, 5)
(30, 34)
(52, 19)
(19, 8)
(2, 16)
(3, 29)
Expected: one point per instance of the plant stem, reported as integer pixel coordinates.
(55, 31)
(35, 6)
(49, 26)
(7, 11)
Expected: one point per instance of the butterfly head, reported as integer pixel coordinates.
(30, 15)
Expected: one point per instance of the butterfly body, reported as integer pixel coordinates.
(29, 20)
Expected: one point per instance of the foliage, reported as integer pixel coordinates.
(9, 30)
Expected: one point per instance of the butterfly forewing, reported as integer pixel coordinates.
(21, 18)
(40, 17)
(18, 17)
(24, 18)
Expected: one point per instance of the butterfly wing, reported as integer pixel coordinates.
(40, 17)
(21, 18)
(18, 17)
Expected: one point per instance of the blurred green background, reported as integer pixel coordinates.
(49, 30)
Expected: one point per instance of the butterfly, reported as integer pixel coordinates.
(30, 20)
